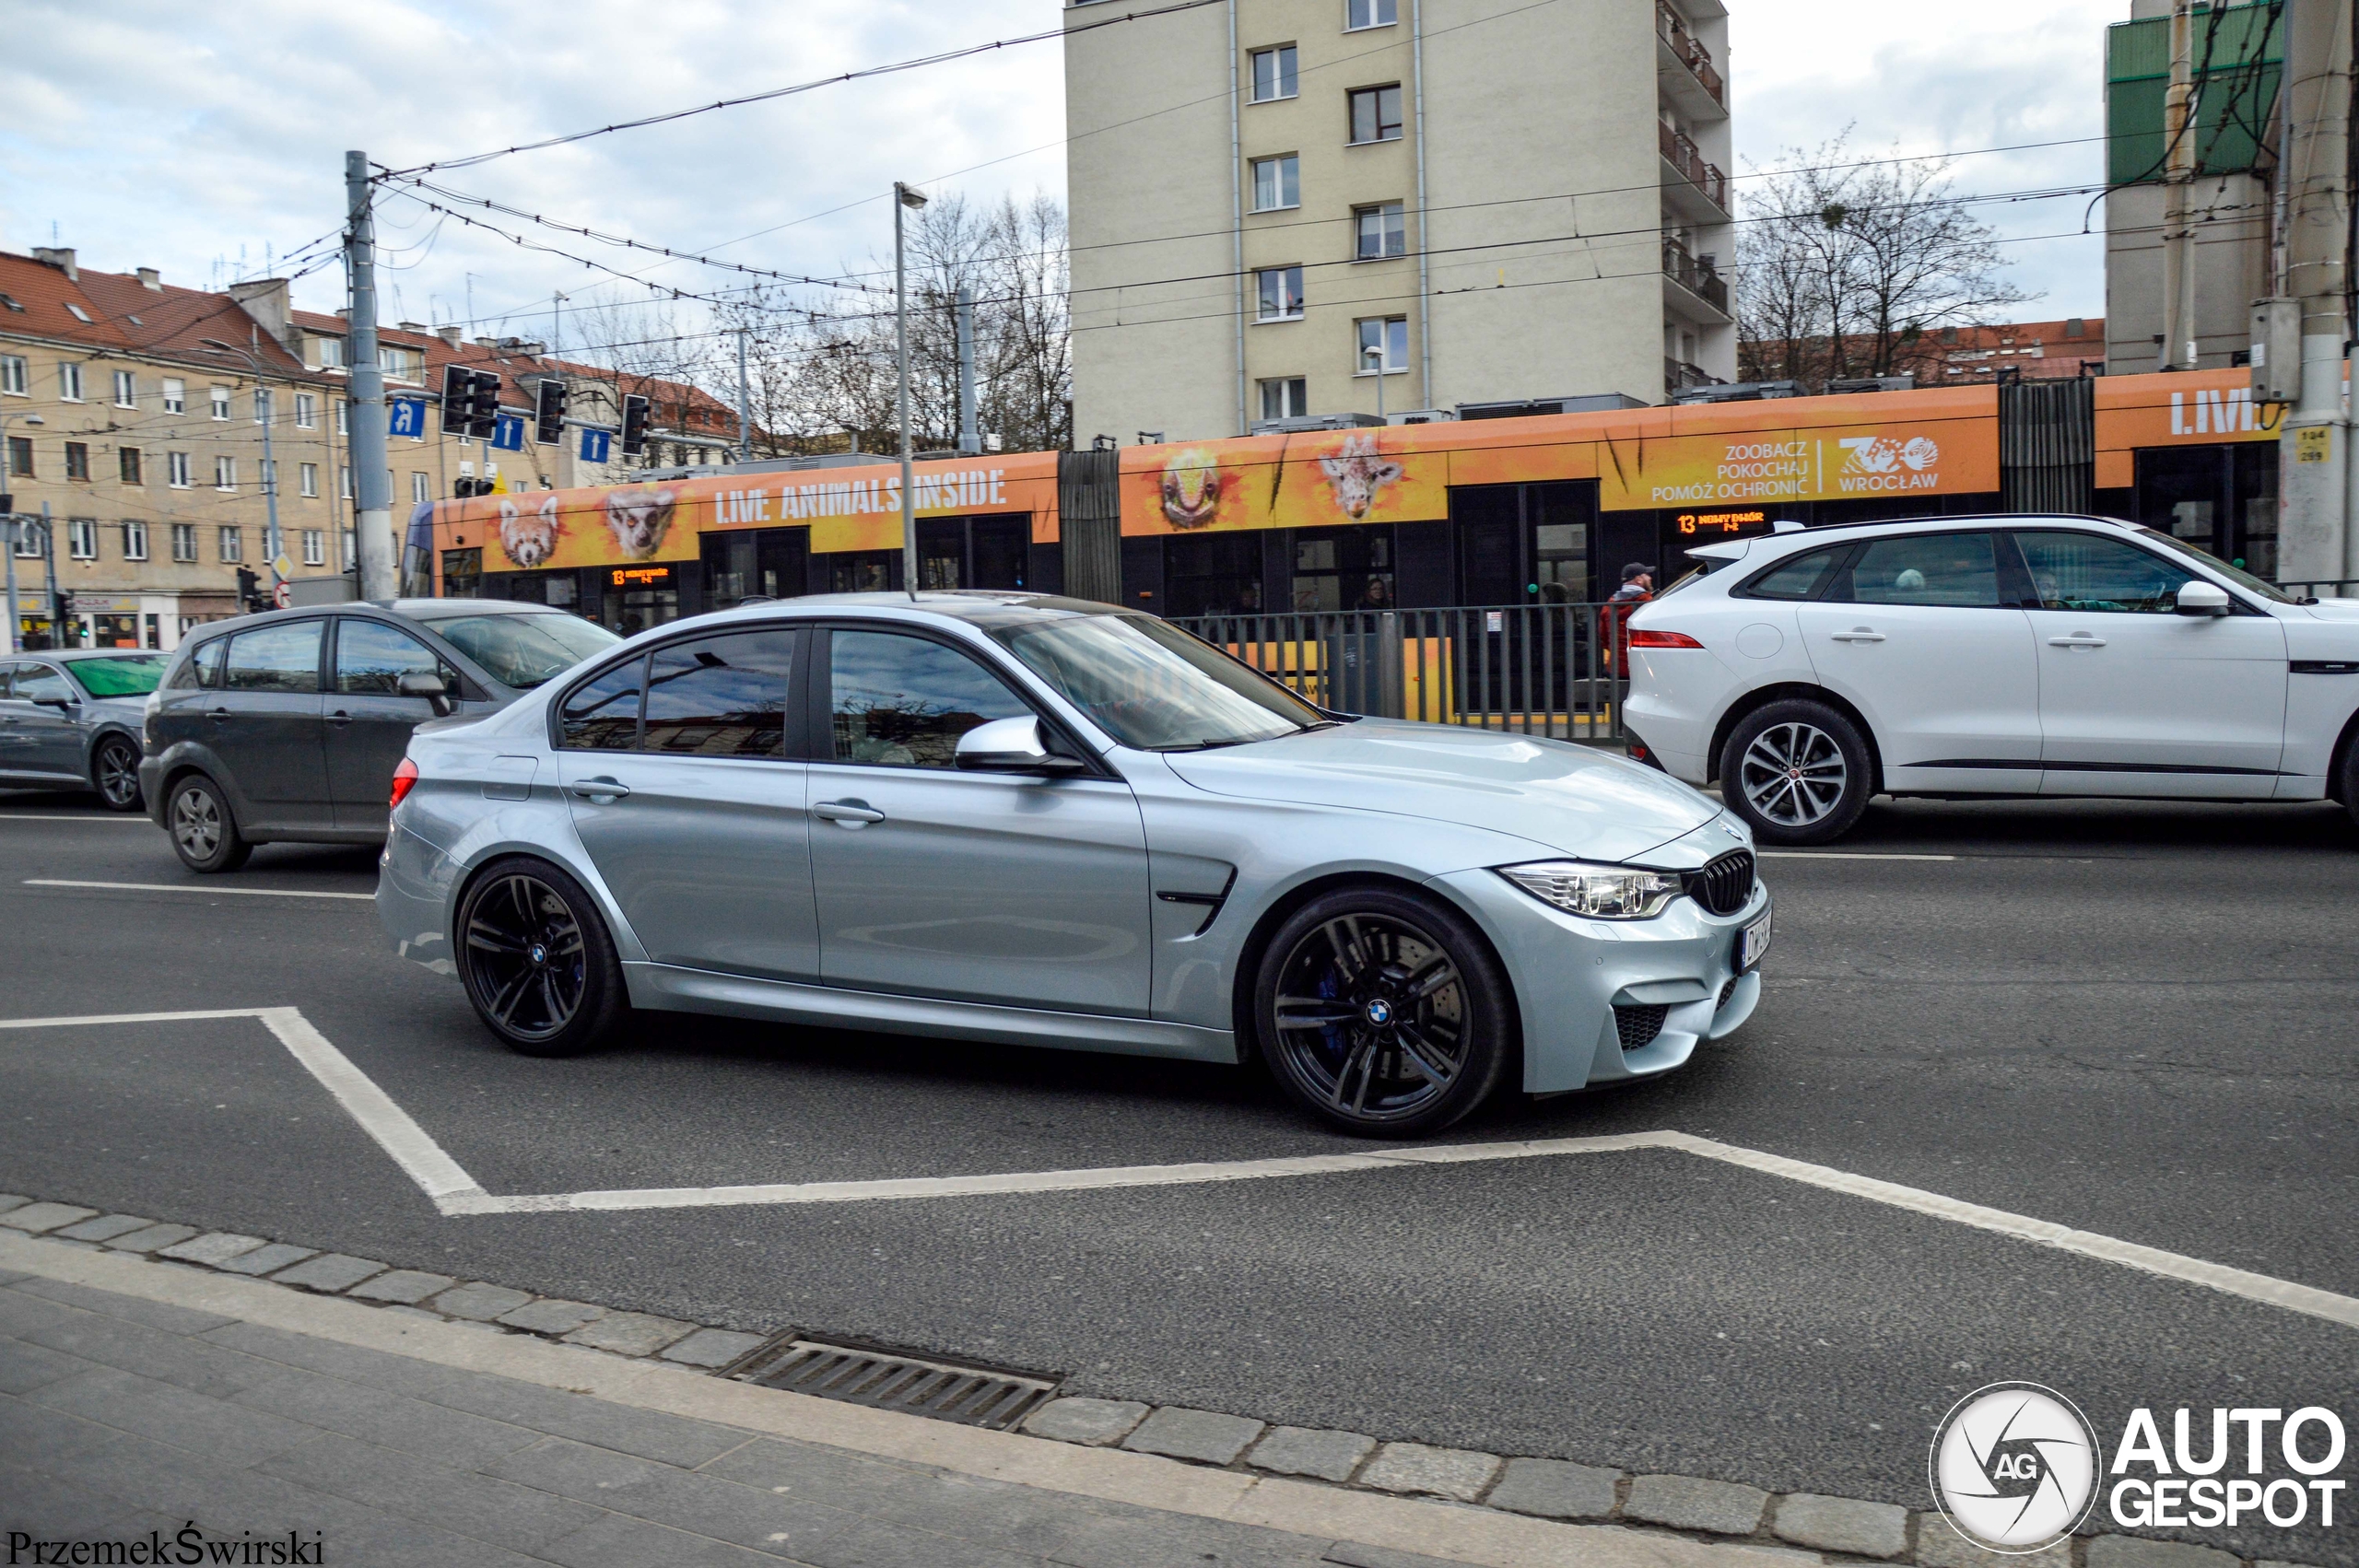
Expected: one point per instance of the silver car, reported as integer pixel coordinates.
(1044, 822)
(69, 719)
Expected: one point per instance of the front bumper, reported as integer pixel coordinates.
(1569, 975)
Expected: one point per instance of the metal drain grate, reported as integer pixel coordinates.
(972, 1395)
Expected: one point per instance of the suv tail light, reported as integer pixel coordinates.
(404, 777)
(1639, 639)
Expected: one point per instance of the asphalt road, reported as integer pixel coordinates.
(2135, 1020)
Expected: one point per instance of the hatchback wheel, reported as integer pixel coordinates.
(1798, 772)
(536, 959)
(1383, 1013)
(115, 768)
(204, 834)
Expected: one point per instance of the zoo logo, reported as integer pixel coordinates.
(1881, 455)
(2014, 1467)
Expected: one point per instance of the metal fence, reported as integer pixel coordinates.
(1533, 669)
(2324, 588)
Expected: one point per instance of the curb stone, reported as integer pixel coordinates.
(1847, 1531)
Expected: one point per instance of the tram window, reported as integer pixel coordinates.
(1344, 568)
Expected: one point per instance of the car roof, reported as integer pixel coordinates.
(983, 607)
(430, 610)
(73, 655)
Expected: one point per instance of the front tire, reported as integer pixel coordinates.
(204, 831)
(537, 961)
(1798, 772)
(1383, 1013)
(115, 773)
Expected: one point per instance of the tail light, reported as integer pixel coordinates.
(1641, 638)
(404, 778)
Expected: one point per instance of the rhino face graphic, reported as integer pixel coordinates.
(1357, 475)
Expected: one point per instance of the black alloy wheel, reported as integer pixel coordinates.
(1798, 772)
(536, 959)
(114, 769)
(1383, 1013)
(205, 832)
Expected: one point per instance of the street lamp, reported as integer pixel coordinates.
(269, 467)
(904, 197)
(16, 621)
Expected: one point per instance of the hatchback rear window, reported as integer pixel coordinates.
(523, 650)
(1799, 576)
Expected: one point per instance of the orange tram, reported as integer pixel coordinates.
(1479, 512)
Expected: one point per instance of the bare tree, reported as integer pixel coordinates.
(1847, 269)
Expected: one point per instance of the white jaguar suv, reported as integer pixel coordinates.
(1807, 669)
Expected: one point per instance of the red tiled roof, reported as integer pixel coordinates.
(45, 292)
(2036, 350)
(175, 321)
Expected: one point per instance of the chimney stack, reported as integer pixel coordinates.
(62, 258)
(150, 278)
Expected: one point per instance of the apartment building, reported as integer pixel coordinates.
(1302, 207)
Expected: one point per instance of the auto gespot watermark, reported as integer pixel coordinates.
(2017, 1468)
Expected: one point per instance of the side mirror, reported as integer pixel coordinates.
(1012, 746)
(434, 688)
(2202, 598)
(63, 704)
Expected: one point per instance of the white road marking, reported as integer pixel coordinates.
(60, 817)
(193, 888)
(1841, 855)
(454, 1192)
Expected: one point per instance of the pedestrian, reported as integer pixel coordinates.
(1614, 615)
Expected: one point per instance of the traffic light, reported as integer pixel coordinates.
(635, 412)
(458, 385)
(548, 412)
(483, 405)
(250, 590)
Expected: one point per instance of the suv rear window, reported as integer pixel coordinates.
(1798, 577)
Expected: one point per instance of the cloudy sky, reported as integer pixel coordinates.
(209, 141)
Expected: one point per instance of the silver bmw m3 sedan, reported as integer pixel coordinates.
(1039, 821)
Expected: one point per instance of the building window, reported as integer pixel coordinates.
(262, 405)
(1281, 293)
(135, 540)
(28, 542)
(345, 545)
(82, 538)
(221, 403)
(12, 374)
(269, 475)
(1376, 114)
(184, 542)
(308, 475)
(69, 381)
(233, 546)
(421, 489)
(1378, 232)
(1273, 73)
(1371, 13)
(342, 418)
(344, 482)
(225, 472)
(307, 411)
(1277, 182)
(331, 353)
(127, 460)
(176, 471)
(1287, 397)
(77, 460)
(21, 456)
(175, 395)
(126, 390)
(315, 547)
(1389, 334)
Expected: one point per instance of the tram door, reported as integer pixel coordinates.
(1525, 547)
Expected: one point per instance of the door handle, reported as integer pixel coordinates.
(1858, 634)
(218, 714)
(600, 789)
(339, 717)
(2078, 640)
(851, 813)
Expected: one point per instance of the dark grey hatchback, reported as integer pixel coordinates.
(287, 727)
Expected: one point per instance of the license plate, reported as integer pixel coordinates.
(1754, 944)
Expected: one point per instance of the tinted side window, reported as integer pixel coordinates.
(903, 701)
(1799, 578)
(1956, 570)
(277, 658)
(7, 671)
(38, 682)
(720, 696)
(372, 657)
(602, 716)
(2092, 574)
(207, 662)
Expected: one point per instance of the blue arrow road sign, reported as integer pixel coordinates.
(405, 416)
(595, 444)
(509, 436)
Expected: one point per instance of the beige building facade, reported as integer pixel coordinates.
(1496, 202)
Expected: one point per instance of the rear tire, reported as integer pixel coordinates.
(2350, 783)
(1383, 1013)
(204, 830)
(537, 961)
(115, 773)
(1798, 772)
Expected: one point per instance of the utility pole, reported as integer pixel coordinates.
(372, 505)
(2314, 542)
(49, 566)
(744, 405)
(10, 526)
(2178, 229)
(970, 436)
(908, 198)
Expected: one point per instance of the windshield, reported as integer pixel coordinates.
(1154, 687)
(525, 650)
(2237, 575)
(120, 677)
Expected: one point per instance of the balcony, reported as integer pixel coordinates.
(1700, 190)
(1700, 280)
(1678, 375)
(1685, 67)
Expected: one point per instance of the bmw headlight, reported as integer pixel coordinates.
(1599, 893)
